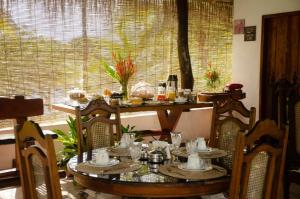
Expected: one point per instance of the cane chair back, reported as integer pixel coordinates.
(227, 120)
(98, 125)
(40, 175)
(293, 121)
(258, 162)
(286, 112)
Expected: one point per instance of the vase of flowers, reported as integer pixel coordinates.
(123, 68)
(212, 77)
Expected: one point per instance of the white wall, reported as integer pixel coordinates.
(246, 55)
(192, 124)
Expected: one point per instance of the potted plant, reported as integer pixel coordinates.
(212, 77)
(69, 141)
(130, 129)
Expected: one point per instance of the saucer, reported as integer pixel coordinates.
(208, 149)
(111, 162)
(183, 166)
(122, 147)
(180, 101)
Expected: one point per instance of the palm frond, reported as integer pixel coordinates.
(109, 70)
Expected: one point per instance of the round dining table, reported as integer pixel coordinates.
(147, 181)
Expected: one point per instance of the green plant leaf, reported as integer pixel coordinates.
(110, 70)
(69, 140)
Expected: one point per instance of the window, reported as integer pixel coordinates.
(50, 46)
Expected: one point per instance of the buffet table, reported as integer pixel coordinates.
(167, 113)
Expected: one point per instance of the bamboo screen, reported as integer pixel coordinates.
(51, 46)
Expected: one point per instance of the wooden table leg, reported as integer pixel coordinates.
(168, 120)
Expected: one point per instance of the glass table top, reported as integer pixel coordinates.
(148, 172)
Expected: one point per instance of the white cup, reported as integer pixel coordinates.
(102, 157)
(201, 144)
(194, 162)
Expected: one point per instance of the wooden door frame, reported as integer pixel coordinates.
(262, 51)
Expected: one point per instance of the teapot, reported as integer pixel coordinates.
(157, 156)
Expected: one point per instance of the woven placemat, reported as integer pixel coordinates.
(118, 152)
(122, 167)
(174, 171)
(214, 153)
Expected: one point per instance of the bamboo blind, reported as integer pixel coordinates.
(51, 46)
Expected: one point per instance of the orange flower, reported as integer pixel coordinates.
(212, 76)
(124, 68)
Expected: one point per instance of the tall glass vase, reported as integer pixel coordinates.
(124, 91)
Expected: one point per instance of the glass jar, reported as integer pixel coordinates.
(161, 91)
(172, 87)
(171, 93)
(172, 81)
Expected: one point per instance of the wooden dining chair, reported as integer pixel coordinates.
(227, 120)
(40, 175)
(259, 160)
(285, 101)
(98, 125)
(293, 152)
(18, 109)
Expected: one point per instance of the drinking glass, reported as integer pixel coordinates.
(135, 152)
(176, 139)
(131, 138)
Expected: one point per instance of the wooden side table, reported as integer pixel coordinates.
(222, 97)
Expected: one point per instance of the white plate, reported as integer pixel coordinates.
(184, 165)
(152, 102)
(121, 147)
(111, 162)
(180, 101)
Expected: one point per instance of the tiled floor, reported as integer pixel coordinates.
(16, 193)
(11, 193)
